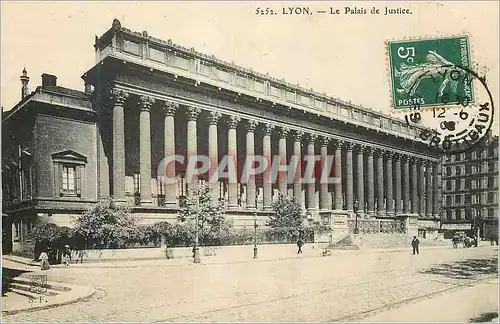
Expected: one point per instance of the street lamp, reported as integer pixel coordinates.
(196, 248)
(255, 235)
(355, 206)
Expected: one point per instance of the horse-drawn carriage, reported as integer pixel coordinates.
(462, 238)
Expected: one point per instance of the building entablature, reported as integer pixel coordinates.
(139, 48)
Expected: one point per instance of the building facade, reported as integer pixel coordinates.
(470, 191)
(146, 99)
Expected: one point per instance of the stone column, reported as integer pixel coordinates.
(370, 181)
(118, 98)
(311, 186)
(414, 186)
(232, 152)
(213, 154)
(192, 142)
(421, 176)
(397, 183)
(145, 103)
(297, 183)
(388, 179)
(437, 184)
(282, 176)
(349, 190)
(250, 152)
(338, 174)
(324, 199)
(267, 186)
(360, 183)
(380, 182)
(406, 184)
(169, 108)
(428, 185)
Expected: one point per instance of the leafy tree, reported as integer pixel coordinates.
(287, 222)
(106, 224)
(51, 238)
(211, 219)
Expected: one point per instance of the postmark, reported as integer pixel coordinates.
(458, 124)
(430, 72)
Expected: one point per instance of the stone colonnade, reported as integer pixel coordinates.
(376, 181)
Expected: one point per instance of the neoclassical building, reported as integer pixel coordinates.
(146, 99)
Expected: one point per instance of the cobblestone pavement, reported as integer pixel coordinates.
(337, 288)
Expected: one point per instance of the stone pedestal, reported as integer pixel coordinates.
(410, 222)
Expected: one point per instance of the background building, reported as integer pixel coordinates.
(470, 190)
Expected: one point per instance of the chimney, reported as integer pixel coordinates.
(24, 81)
(88, 88)
(49, 80)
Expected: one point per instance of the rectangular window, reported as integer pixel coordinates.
(70, 180)
(458, 199)
(491, 197)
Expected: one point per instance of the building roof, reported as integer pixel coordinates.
(54, 90)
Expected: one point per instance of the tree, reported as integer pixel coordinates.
(106, 224)
(51, 238)
(211, 219)
(286, 222)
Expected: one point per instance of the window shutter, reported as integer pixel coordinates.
(78, 181)
(58, 174)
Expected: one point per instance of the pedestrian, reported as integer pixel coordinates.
(299, 244)
(66, 255)
(79, 255)
(414, 244)
(44, 261)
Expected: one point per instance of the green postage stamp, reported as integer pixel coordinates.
(430, 72)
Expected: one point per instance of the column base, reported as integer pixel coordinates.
(146, 202)
(120, 201)
(233, 206)
(171, 204)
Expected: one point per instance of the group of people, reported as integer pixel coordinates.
(65, 257)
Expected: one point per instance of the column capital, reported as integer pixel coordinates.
(325, 140)
(193, 113)
(379, 152)
(169, 107)
(299, 135)
(268, 128)
(404, 158)
(284, 131)
(146, 102)
(118, 96)
(213, 117)
(337, 144)
(390, 155)
(251, 125)
(368, 150)
(233, 121)
(359, 148)
(313, 138)
(348, 146)
(397, 156)
(429, 163)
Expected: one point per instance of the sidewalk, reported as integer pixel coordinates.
(214, 260)
(460, 305)
(23, 299)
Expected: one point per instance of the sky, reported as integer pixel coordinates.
(343, 55)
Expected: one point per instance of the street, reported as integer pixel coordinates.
(344, 287)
